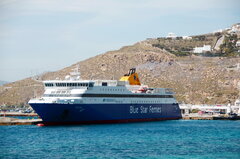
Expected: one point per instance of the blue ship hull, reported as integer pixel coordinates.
(59, 114)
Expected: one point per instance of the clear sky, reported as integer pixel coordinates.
(47, 35)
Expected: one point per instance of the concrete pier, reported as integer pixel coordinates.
(197, 118)
(6, 114)
(209, 117)
(15, 121)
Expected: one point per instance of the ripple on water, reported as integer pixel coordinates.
(164, 139)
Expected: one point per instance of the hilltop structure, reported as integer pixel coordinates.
(171, 36)
(204, 49)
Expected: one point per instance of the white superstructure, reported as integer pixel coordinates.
(128, 90)
(112, 91)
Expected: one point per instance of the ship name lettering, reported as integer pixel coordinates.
(144, 109)
(133, 110)
(155, 109)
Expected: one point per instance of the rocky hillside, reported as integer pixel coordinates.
(181, 46)
(195, 79)
(223, 43)
(3, 82)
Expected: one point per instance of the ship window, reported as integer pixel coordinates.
(104, 84)
(49, 84)
(90, 84)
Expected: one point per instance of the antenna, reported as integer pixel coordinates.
(75, 74)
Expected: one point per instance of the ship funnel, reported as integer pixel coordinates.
(131, 77)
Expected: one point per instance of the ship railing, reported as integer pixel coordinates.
(163, 91)
(169, 91)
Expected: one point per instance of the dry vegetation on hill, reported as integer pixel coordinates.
(184, 45)
(194, 79)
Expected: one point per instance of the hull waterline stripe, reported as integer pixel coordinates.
(108, 121)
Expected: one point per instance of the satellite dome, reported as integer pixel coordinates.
(67, 77)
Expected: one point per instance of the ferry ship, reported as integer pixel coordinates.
(76, 101)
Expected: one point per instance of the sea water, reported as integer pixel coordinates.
(163, 139)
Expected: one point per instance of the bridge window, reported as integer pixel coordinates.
(104, 84)
(69, 84)
(48, 84)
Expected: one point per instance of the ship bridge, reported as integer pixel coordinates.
(64, 84)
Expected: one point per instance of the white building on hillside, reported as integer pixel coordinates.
(171, 35)
(238, 43)
(235, 29)
(218, 31)
(203, 49)
(187, 37)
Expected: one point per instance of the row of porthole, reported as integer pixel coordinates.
(146, 101)
(108, 89)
